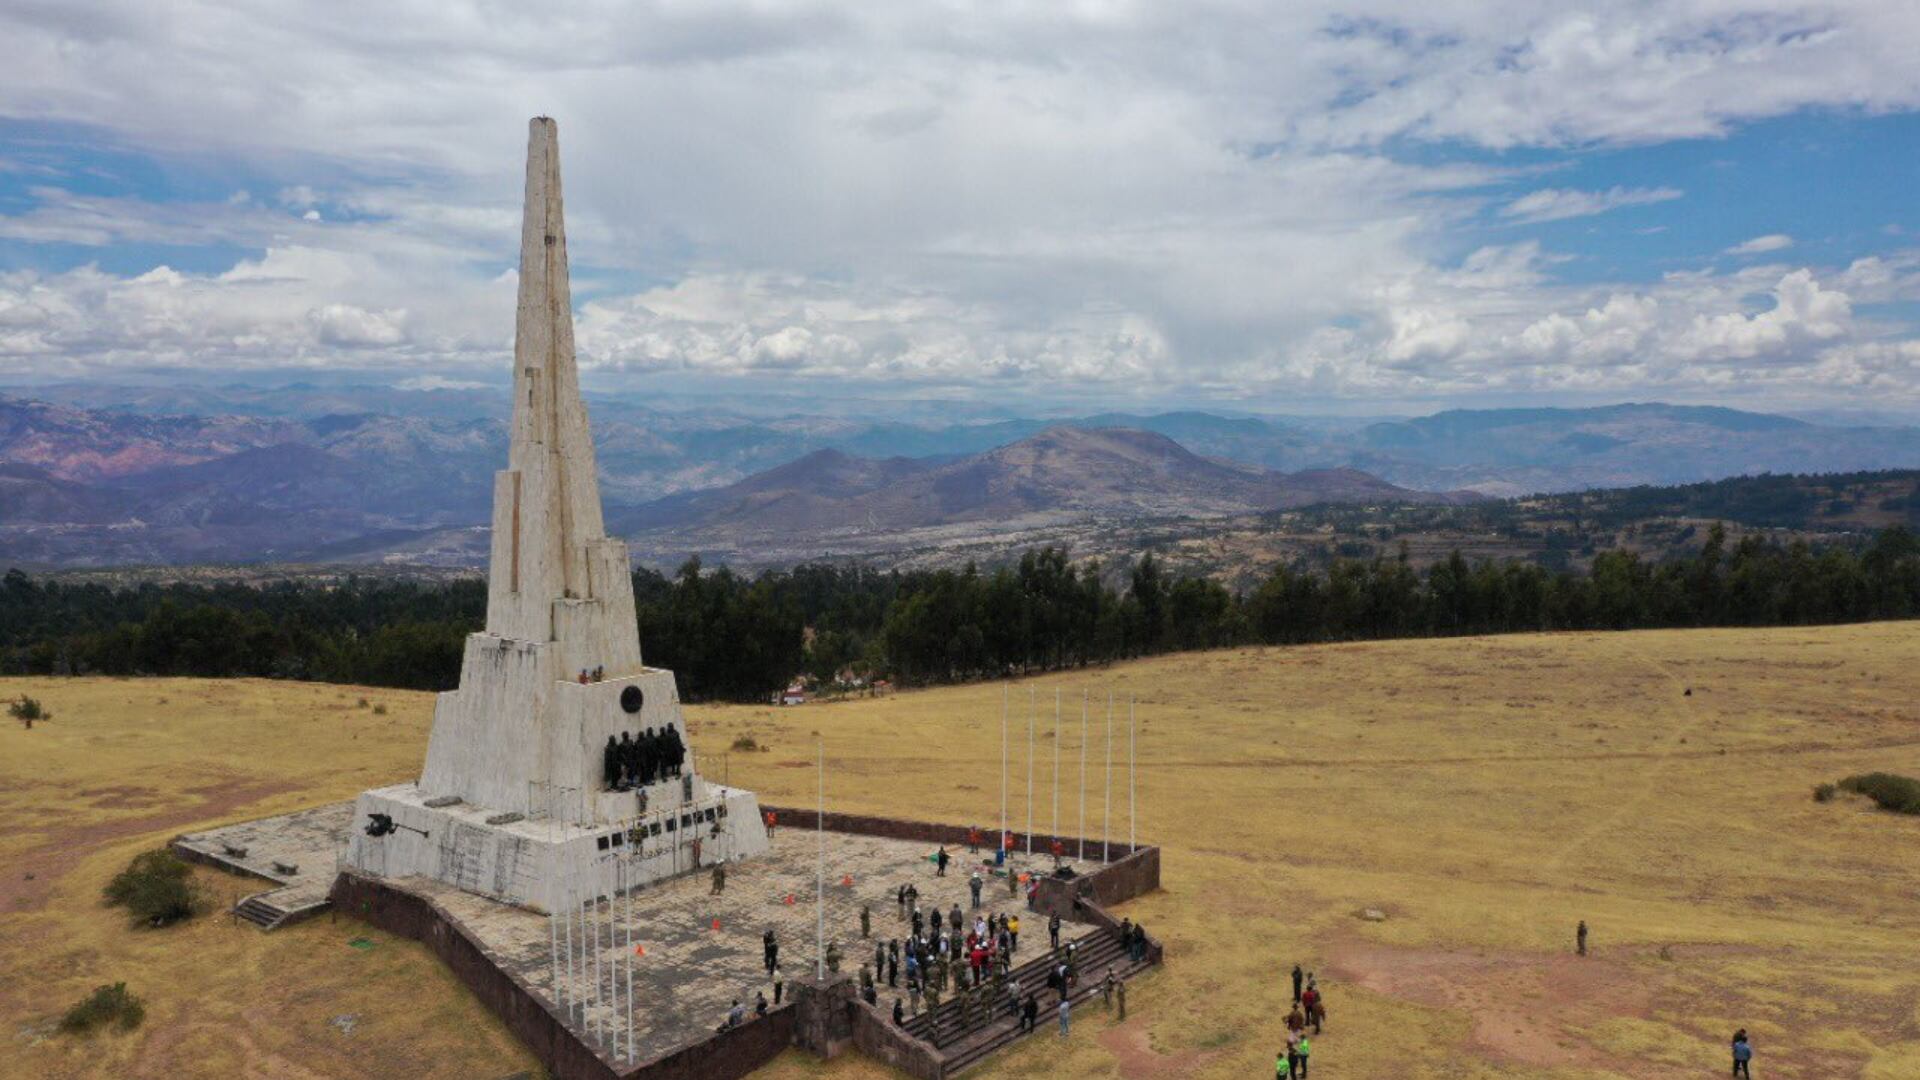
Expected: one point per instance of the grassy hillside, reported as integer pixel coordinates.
(1485, 793)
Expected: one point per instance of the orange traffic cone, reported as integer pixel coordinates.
(716, 924)
(639, 950)
(847, 880)
(789, 899)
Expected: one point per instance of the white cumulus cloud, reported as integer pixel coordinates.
(1762, 244)
(1555, 204)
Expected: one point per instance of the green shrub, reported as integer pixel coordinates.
(108, 1005)
(1824, 792)
(1900, 794)
(745, 743)
(27, 708)
(157, 889)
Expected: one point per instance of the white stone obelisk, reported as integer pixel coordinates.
(554, 683)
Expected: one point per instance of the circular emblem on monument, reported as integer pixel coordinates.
(631, 699)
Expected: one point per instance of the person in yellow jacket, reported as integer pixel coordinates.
(1013, 933)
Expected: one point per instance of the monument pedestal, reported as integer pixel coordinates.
(546, 864)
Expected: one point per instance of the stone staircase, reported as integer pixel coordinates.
(275, 908)
(964, 1046)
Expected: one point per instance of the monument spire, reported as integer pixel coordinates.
(558, 743)
(547, 523)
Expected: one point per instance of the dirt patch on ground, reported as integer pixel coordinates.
(31, 877)
(1138, 1060)
(1526, 1008)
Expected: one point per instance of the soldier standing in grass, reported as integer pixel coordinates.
(1298, 978)
(1580, 938)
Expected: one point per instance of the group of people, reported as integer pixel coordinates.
(629, 762)
(1308, 1008)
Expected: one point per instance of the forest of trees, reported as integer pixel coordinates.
(735, 638)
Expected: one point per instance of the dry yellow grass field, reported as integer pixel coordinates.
(1485, 793)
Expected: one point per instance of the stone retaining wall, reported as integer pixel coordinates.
(877, 1037)
(954, 836)
(724, 1055)
(729, 1055)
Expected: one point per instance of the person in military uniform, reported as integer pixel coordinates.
(610, 764)
(676, 750)
(629, 763)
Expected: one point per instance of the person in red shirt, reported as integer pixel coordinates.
(771, 821)
(1310, 1000)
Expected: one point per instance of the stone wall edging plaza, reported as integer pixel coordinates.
(1119, 854)
(877, 1037)
(728, 1055)
(725, 1055)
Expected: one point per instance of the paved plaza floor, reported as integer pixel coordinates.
(687, 974)
(309, 841)
(690, 973)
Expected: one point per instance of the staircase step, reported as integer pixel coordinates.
(259, 913)
(970, 1054)
(1094, 954)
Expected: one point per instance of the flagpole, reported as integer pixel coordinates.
(1030, 711)
(567, 897)
(820, 876)
(553, 916)
(1001, 842)
(629, 954)
(1106, 830)
(1133, 779)
(1083, 774)
(1056, 763)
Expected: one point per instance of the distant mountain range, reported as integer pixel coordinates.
(102, 477)
(1062, 470)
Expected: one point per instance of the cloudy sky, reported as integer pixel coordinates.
(1285, 206)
